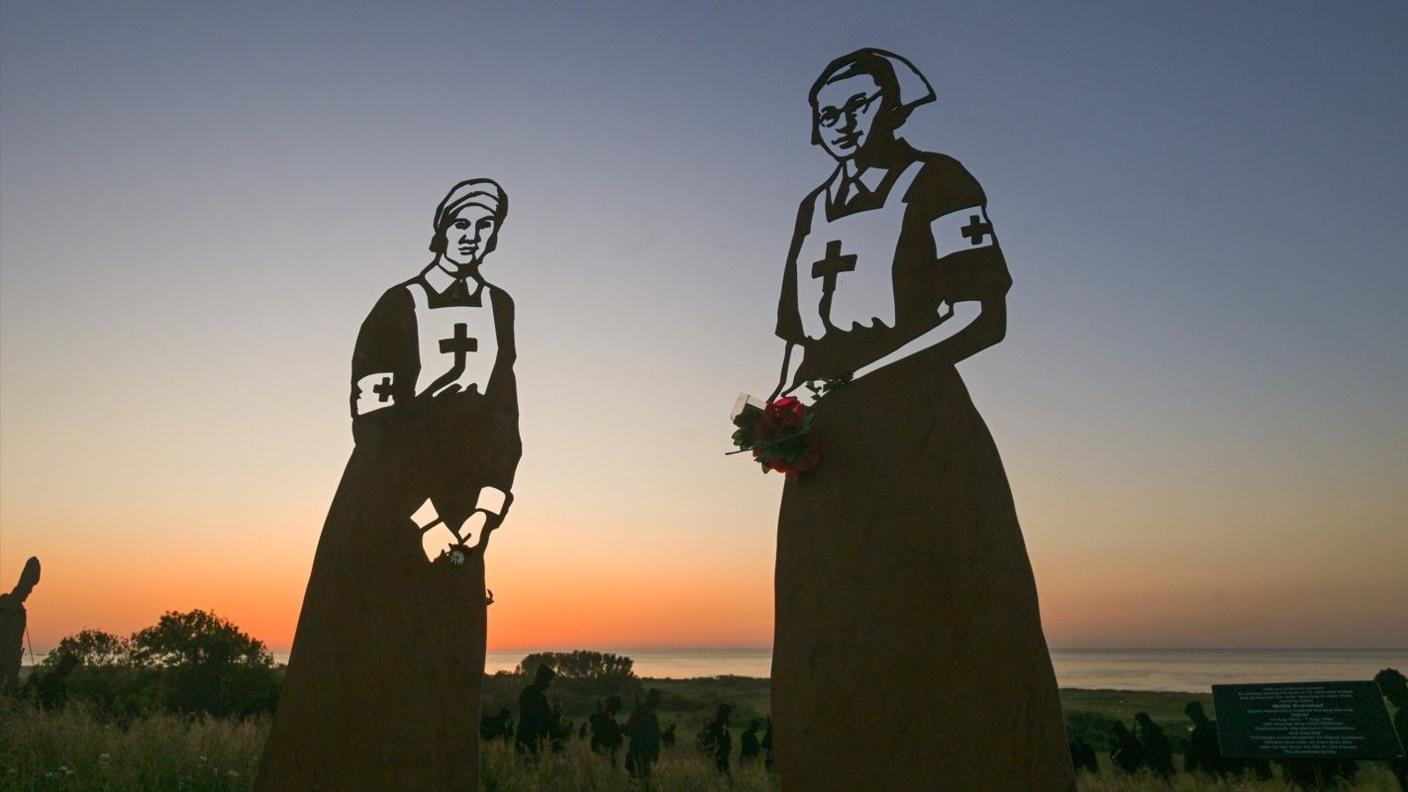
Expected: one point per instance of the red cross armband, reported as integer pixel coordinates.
(965, 229)
(374, 392)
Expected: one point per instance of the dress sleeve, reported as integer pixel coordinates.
(967, 261)
(384, 365)
(502, 439)
(789, 318)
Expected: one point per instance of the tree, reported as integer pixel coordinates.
(581, 664)
(93, 648)
(208, 664)
(197, 638)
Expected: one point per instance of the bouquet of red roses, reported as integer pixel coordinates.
(777, 433)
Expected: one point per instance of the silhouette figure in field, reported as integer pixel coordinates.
(1083, 756)
(905, 535)
(1202, 754)
(1395, 688)
(606, 732)
(767, 744)
(716, 741)
(667, 737)
(748, 745)
(497, 727)
(13, 619)
(535, 715)
(1125, 751)
(643, 731)
(1154, 745)
(383, 683)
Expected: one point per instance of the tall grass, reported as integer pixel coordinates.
(71, 751)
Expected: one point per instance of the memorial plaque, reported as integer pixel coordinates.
(1304, 720)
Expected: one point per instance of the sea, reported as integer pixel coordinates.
(1181, 670)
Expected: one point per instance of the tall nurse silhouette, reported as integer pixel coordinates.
(383, 683)
(904, 595)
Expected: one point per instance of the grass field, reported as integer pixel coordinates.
(71, 751)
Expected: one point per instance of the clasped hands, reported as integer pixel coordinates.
(439, 537)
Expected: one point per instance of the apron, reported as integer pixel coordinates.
(458, 343)
(845, 266)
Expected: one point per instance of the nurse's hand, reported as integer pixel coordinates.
(486, 522)
(438, 539)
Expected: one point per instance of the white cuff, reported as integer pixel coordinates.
(425, 516)
(491, 500)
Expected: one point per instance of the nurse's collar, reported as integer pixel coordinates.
(438, 278)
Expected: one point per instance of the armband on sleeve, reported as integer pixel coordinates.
(965, 229)
(374, 392)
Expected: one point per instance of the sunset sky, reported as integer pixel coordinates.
(1202, 401)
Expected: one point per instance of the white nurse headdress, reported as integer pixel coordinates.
(913, 87)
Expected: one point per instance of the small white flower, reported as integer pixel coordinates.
(457, 557)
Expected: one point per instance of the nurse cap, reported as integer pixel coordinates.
(478, 192)
(913, 87)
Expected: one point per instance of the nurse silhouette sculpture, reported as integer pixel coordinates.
(903, 592)
(383, 683)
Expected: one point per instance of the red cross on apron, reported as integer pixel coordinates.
(845, 265)
(457, 343)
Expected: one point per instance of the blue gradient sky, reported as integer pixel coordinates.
(1202, 400)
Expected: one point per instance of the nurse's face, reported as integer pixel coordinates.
(845, 114)
(468, 236)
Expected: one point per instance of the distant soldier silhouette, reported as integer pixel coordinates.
(496, 727)
(534, 714)
(1395, 688)
(748, 746)
(1125, 751)
(606, 732)
(643, 730)
(715, 740)
(1083, 756)
(13, 619)
(667, 737)
(1158, 753)
(1202, 753)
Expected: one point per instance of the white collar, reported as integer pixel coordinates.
(871, 177)
(438, 278)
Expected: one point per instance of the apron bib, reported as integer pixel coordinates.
(458, 343)
(845, 266)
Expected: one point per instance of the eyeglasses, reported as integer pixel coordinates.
(831, 116)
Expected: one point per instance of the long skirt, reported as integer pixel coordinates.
(383, 682)
(908, 652)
